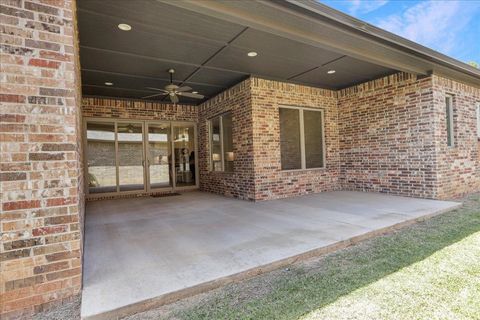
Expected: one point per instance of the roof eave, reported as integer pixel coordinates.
(366, 29)
(312, 23)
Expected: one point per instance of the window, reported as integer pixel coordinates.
(449, 119)
(301, 138)
(221, 143)
(290, 149)
(478, 120)
(313, 132)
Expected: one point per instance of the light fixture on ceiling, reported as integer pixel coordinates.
(195, 92)
(109, 83)
(124, 27)
(331, 71)
(252, 54)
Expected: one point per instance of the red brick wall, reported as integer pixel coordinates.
(458, 167)
(137, 110)
(387, 136)
(240, 183)
(384, 135)
(41, 173)
(271, 181)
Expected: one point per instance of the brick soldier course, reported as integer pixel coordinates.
(386, 135)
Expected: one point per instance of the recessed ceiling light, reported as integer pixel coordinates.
(124, 27)
(331, 71)
(252, 54)
(195, 92)
(109, 83)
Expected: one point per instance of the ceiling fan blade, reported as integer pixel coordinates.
(183, 89)
(154, 95)
(174, 98)
(157, 89)
(191, 95)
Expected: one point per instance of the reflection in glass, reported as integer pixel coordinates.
(184, 152)
(160, 157)
(290, 139)
(216, 145)
(101, 166)
(312, 122)
(227, 141)
(130, 156)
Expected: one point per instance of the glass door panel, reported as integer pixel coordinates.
(159, 155)
(101, 166)
(141, 156)
(130, 156)
(184, 155)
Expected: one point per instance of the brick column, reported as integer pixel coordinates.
(41, 168)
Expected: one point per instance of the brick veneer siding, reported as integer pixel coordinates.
(240, 183)
(381, 136)
(41, 174)
(458, 167)
(387, 141)
(137, 110)
(271, 182)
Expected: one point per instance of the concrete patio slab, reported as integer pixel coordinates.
(143, 252)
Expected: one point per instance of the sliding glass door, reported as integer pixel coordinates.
(130, 156)
(185, 157)
(139, 156)
(100, 154)
(159, 155)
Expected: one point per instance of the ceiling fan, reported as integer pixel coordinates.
(173, 91)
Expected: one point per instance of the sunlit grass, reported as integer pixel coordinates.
(445, 285)
(427, 271)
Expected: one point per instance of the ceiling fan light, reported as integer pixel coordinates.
(195, 92)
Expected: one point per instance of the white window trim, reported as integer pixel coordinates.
(303, 160)
(449, 119)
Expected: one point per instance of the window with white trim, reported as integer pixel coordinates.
(449, 120)
(221, 143)
(301, 138)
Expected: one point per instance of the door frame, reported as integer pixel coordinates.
(146, 179)
(172, 124)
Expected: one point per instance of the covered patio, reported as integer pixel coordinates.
(148, 251)
(216, 99)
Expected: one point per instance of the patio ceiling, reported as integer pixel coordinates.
(208, 54)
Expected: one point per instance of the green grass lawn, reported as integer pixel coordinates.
(427, 271)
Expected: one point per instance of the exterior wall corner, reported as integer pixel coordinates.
(41, 169)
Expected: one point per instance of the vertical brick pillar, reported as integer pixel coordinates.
(41, 168)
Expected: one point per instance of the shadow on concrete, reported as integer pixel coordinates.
(309, 286)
